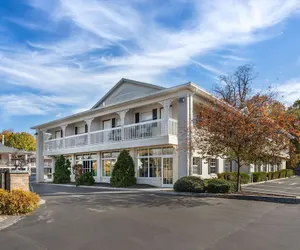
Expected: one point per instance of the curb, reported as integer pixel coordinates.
(275, 199)
(112, 188)
(10, 221)
(255, 183)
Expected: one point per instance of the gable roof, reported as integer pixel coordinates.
(123, 81)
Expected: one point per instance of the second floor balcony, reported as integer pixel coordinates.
(127, 133)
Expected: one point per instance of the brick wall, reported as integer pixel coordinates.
(17, 181)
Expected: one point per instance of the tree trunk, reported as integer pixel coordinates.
(238, 179)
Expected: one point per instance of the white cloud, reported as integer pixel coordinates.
(233, 57)
(81, 64)
(290, 90)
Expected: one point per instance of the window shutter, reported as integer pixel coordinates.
(154, 114)
(217, 166)
(86, 128)
(208, 164)
(76, 130)
(61, 134)
(137, 117)
(200, 166)
(113, 122)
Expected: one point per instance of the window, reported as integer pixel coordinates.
(212, 166)
(81, 129)
(149, 161)
(88, 162)
(57, 134)
(197, 166)
(146, 116)
(109, 160)
(227, 166)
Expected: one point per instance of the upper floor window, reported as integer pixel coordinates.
(197, 166)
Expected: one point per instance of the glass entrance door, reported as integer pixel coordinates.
(167, 172)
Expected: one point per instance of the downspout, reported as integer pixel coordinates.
(190, 130)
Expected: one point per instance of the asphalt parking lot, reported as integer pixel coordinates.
(78, 218)
(289, 186)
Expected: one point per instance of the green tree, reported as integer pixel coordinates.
(62, 170)
(19, 140)
(295, 111)
(123, 174)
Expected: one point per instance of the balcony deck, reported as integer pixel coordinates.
(154, 131)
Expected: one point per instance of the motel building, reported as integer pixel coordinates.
(150, 121)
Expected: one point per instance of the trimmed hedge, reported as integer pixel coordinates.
(18, 202)
(219, 186)
(190, 184)
(259, 176)
(85, 179)
(232, 176)
(262, 176)
(289, 172)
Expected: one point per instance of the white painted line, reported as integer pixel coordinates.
(275, 187)
(268, 191)
(97, 210)
(294, 183)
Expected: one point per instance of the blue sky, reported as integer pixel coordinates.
(60, 57)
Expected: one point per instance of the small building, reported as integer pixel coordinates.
(9, 158)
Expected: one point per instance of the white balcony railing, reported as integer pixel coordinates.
(53, 145)
(76, 140)
(143, 130)
(173, 127)
(137, 131)
(106, 136)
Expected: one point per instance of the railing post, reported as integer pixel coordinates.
(122, 114)
(89, 123)
(63, 128)
(165, 120)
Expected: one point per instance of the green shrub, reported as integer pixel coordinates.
(123, 174)
(219, 186)
(62, 170)
(85, 179)
(232, 176)
(289, 172)
(269, 175)
(189, 184)
(282, 173)
(259, 176)
(18, 202)
(275, 175)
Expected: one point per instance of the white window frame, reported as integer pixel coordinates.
(197, 166)
(148, 114)
(210, 165)
(148, 156)
(90, 161)
(81, 129)
(110, 159)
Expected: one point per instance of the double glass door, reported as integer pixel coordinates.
(167, 172)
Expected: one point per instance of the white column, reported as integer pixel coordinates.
(98, 166)
(39, 155)
(166, 105)
(63, 128)
(184, 118)
(89, 123)
(122, 114)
